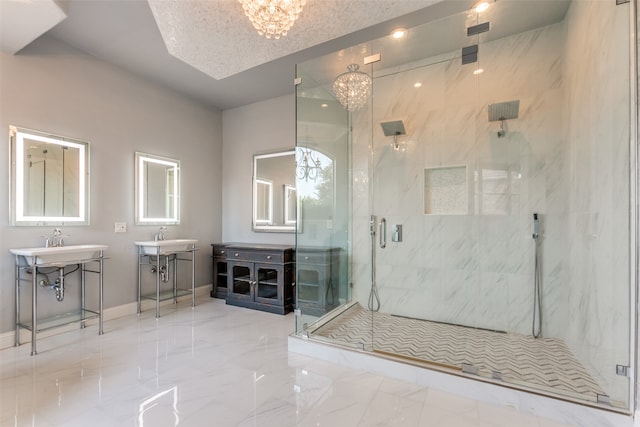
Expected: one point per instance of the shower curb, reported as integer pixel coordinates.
(573, 413)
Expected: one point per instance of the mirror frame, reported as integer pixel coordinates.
(261, 226)
(140, 185)
(17, 136)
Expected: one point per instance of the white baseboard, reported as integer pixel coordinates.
(8, 339)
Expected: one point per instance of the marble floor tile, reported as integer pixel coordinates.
(217, 365)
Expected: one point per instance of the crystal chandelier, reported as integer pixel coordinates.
(272, 18)
(307, 167)
(352, 88)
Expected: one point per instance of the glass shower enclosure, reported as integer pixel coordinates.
(475, 215)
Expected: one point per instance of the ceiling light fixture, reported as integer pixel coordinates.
(352, 88)
(272, 18)
(417, 84)
(398, 33)
(481, 7)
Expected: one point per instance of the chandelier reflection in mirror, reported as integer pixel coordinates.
(307, 167)
(272, 18)
(352, 88)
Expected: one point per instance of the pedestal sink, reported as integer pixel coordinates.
(59, 256)
(166, 247)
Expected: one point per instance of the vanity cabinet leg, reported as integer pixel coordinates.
(139, 278)
(158, 286)
(83, 275)
(17, 304)
(34, 308)
(175, 278)
(101, 294)
(193, 278)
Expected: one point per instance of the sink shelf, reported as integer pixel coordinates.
(168, 294)
(61, 320)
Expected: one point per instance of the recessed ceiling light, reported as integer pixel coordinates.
(478, 71)
(398, 33)
(417, 84)
(324, 105)
(481, 7)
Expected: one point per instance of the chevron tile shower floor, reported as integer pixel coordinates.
(543, 363)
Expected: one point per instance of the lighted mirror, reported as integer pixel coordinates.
(157, 190)
(263, 209)
(50, 179)
(290, 204)
(274, 194)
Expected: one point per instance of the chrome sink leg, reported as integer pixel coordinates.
(158, 286)
(17, 304)
(34, 308)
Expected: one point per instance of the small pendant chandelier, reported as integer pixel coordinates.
(272, 18)
(307, 167)
(352, 88)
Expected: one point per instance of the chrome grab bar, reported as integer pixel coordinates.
(383, 233)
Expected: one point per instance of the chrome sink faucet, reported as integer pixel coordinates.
(54, 241)
(161, 234)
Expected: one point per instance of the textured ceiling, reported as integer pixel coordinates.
(216, 38)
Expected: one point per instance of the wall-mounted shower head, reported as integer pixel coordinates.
(393, 128)
(503, 111)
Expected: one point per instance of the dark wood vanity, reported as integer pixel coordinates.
(257, 276)
(318, 275)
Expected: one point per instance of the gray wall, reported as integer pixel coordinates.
(258, 128)
(52, 87)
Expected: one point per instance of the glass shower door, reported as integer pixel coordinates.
(422, 167)
(468, 161)
(323, 235)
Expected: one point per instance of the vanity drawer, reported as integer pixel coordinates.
(256, 256)
(317, 256)
(219, 250)
(312, 258)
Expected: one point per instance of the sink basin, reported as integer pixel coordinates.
(59, 256)
(166, 247)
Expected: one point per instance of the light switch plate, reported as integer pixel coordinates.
(120, 227)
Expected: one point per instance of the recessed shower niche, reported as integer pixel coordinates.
(446, 191)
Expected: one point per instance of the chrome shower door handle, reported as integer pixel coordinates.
(383, 233)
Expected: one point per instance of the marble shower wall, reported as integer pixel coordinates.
(597, 76)
(565, 157)
(473, 268)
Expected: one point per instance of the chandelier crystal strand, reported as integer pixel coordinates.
(272, 18)
(352, 88)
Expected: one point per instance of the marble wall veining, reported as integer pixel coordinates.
(596, 171)
(466, 266)
(565, 157)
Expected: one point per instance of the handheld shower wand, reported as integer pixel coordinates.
(536, 327)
